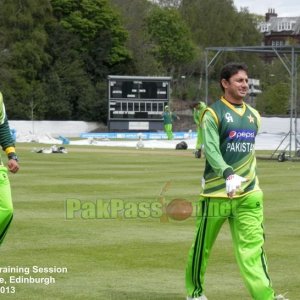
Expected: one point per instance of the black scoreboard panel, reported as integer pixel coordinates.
(138, 98)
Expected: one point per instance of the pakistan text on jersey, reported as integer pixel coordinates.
(239, 147)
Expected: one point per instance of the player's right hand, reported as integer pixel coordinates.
(13, 166)
(233, 184)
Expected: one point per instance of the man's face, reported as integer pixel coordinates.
(236, 87)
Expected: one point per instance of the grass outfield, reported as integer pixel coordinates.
(62, 219)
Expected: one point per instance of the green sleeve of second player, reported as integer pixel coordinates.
(210, 136)
(5, 134)
(196, 116)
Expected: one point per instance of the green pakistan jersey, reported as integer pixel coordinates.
(229, 136)
(168, 117)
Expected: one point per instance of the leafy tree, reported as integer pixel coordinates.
(100, 31)
(87, 44)
(67, 82)
(275, 86)
(23, 41)
(274, 100)
(218, 23)
(172, 44)
(133, 14)
(54, 54)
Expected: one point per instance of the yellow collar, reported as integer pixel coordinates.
(240, 111)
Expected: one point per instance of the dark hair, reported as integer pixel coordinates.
(231, 69)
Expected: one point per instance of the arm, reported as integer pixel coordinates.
(196, 116)
(210, 134)
(174, 116)
(8, 146)
(6, 140)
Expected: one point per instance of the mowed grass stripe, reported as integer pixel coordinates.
(135, 258)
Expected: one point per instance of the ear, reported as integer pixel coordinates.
(224, 83)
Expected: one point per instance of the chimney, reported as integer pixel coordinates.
(270, 14)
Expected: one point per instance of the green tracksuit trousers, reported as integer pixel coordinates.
(169, 131)
(6, 207)
(245, 216)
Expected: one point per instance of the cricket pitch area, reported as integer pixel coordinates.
(91, 224)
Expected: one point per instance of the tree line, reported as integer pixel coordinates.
(56, 54)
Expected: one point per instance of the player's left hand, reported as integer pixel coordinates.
(13, 166)
(233, 184)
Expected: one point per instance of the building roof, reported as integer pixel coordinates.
(276, 24)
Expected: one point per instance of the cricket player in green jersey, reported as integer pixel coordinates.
(168, 118)
(7, 144)
(231, 189)
(198, 110)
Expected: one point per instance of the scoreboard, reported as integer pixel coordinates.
(136, 103)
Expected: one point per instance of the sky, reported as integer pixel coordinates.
(283, 8)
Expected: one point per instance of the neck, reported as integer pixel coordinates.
(233, 101)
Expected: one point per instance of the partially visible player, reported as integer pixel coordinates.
(198, 110)
(231, 189)
(140, 144)
(7, 144)
(168, 118)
